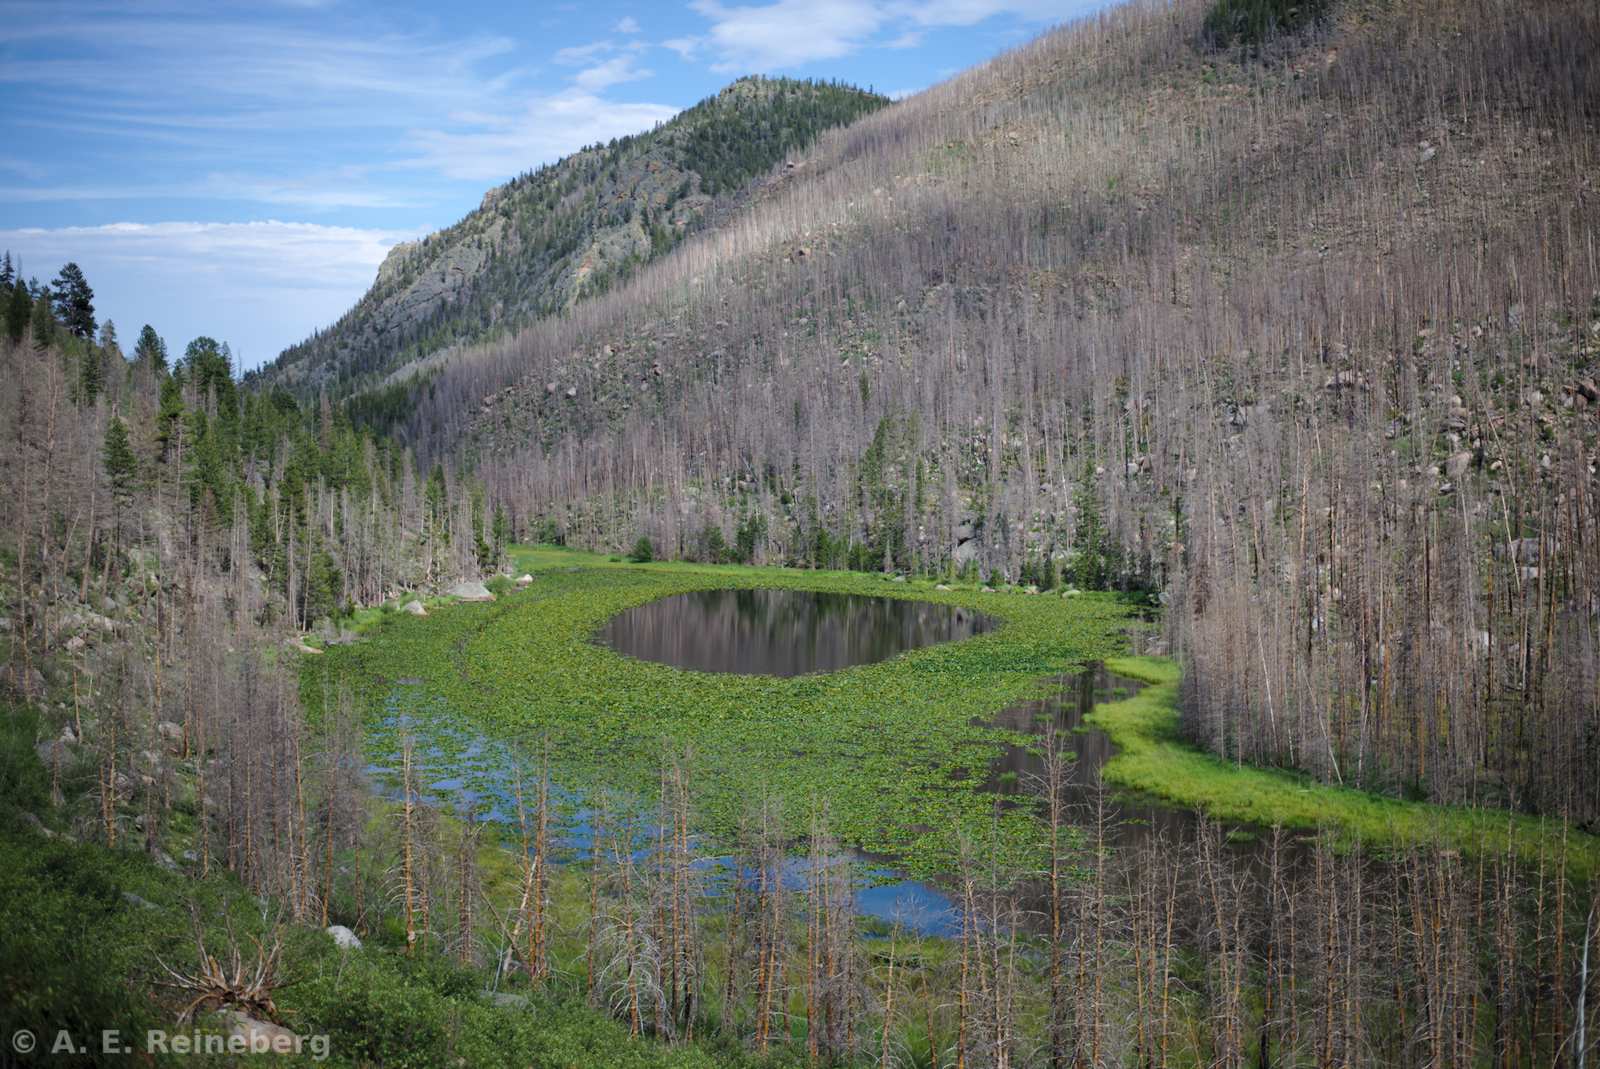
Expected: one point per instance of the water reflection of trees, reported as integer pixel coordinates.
(783, 632)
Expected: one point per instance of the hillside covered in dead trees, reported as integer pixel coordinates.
(1299, 335)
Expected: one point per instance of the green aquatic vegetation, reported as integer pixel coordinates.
(1154, 759)
(896, 749)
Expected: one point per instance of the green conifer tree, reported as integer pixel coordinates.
(44, 325)
(150, 349)
(74, 301)
(19, 309)
(122, 467)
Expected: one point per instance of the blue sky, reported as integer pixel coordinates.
(239, 169)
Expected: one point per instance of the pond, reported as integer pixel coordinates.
(783, 632)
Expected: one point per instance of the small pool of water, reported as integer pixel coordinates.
(783, 632)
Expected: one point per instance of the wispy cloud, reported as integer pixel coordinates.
(790, 33)
(613, 71)
(210, 88)
(547, 127)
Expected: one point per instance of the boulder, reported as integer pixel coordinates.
(53, 752)
(169, 731)
(414, 608)
(260, 1037)
(524, 579)
(941, 586)
(1456, 464)
(343, 937)
(506, 1000)
(471, 590)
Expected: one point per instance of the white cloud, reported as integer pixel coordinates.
(790, 33)
(265, 284)
(547, 128)
(577, 55)
(786, 33)
(613, 71)
(627, 24)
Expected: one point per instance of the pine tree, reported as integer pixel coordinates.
(91, 377)
(19, 309)
(169, 416)
(151, 350)
(8, 273)
(1096, 557)
(44, 324)
(74, 301)
(120, 463)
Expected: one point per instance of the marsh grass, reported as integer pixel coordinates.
(1152, 758)
(895, 749)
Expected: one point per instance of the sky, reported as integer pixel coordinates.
(239, 170)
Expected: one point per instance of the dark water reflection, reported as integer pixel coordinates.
(1019, 772)
(783, 632)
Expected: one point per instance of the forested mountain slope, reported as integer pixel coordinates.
(1301, 334)
(568, 230)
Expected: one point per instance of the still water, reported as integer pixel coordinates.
(783, 632)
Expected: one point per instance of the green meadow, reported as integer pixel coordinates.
(895, 750)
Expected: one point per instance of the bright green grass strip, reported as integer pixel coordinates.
(1152, 758)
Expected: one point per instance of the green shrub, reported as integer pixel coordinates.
(64, 961)
(643, 551)
(1251, 22)
(24, 781)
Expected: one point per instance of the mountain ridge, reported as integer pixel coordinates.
(544, 240)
